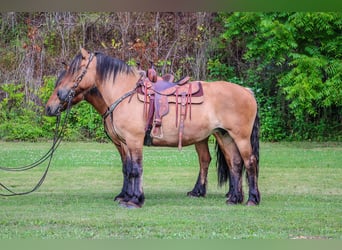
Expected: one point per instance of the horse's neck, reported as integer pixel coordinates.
(113, 91)
(97, 102)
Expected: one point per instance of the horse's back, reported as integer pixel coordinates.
(225, 105)
(227, 89)
(230, 99)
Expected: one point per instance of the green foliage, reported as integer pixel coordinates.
(21, 128)
(13, 100)
(132, 62)
(305, 86)
(272, 126)
(85, 123)
(51, 43)
(294, 61)
(218, 70)
(18, 122)
(46, 90)
(22, 123)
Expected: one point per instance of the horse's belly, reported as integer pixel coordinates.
(191, 134)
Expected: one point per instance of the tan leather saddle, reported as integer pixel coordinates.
(158, 93)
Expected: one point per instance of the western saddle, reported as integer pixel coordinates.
(157, 93)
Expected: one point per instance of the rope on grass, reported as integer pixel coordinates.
(58, 136)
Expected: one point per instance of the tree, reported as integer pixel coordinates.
(293, 63)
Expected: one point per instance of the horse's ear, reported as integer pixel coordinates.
(66, 66)
(85, 54)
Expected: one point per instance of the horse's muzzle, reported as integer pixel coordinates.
(52, 110)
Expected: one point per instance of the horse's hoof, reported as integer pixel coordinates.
(251, 203)
(195, 194)
(230, 203)
(190, 194)
(119, 199)
(234, 200)
(129, 205)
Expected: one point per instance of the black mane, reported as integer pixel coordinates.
(59, 78)
(105, 66)
(75, 64)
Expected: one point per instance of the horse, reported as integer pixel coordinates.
(229, 112)
(94, 97)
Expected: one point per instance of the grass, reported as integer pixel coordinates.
(300, 184)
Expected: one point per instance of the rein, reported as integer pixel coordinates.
(118, 101)
(58, 136)
(112, 107)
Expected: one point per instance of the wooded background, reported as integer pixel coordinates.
(292, 61)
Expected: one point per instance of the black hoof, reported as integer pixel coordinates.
(195, 194)
(233, 199)
(119, 198)
(253, 199)
(198, 191)
(131, 202)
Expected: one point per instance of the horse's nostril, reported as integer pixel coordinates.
(49, 111)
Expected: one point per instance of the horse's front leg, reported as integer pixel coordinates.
(134, 194)
(204, 158)
(120, 147)
(123, 194)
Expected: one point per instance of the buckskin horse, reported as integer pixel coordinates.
(54, 107)
(227, 111)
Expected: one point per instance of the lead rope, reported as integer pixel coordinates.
(58, 136)
(56, 141)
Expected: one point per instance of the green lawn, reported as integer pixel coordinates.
(300, 184)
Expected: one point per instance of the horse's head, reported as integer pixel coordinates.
(79, 78)
(54, 105)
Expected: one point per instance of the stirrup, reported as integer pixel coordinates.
(157, 132)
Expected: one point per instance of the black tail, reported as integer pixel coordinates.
(255, 140)
(222, 166)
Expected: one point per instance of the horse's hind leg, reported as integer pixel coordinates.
(234, 164)
(251, 164)
(204, 158)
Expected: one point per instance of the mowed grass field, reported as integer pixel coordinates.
(300, 184)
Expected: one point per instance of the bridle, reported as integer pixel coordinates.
(80, 77)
